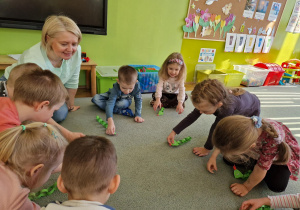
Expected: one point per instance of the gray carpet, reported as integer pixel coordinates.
(156, 176)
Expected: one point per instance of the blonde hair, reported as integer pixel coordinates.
(213, 91)
(163, 72)
(55, 24)
(39, 86)
(127, 74)
(19, 70)
(38, 143)
(89, 164)
(234, 135)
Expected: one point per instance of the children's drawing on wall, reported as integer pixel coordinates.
(268, 44)
(259, 43)
(207, 55)
(297, 7)
(230, 41)
(226, 9)
(240, 42)
(249, 8)
(297, 27)
(261, 9)
(250, 41)
(226, 25)
(275, 8)
(292, 22)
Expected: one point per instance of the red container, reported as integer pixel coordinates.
(275, 74)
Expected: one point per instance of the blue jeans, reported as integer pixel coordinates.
(100, 101)
(3, 78)
(61, 114)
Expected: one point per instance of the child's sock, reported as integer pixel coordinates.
(127, 112)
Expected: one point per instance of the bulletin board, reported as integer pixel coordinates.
(213, 19)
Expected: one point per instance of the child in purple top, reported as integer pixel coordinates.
(271, 143)
(212, 97)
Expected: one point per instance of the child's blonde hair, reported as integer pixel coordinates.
(20, 70)
(234, 136)
(89, 164)
(214, 91)
(55, 24)
(173, 58)
(39, 86)
(127, 74)
(29, 145)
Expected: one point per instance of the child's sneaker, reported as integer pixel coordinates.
(127, 112)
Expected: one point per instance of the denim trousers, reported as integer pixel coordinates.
(122, 103)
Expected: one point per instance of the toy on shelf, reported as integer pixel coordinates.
(161, 111)
(292, 71)
(264, 207)
(42, 193)
(180, 142)
(84, 58)
(102, 122)
(239, 175)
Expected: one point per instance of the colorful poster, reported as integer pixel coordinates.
(259, 43)
(274, 11)
(297, 7)
(268, 44)
(249, 8)
(261, 9)
(206, 55)
(230, 41)
(250, 41)
(240, 42)
(297, 27)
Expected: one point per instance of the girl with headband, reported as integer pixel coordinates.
(274, 151)
(170, 90)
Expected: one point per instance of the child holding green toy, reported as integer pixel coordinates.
(29, 154)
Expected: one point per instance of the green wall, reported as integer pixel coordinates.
(146, 32)
(285, 46)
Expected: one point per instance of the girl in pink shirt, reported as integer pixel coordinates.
(170, 90)
(29, 154)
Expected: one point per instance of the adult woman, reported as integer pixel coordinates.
(60, 52)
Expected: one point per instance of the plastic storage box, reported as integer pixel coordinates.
(201, 67)
(106, 77)
(233, 77)
(148, 80)
(275, 74)
(254, 76)
(211, 74)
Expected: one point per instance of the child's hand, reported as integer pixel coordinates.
(255, 203)
(212, 165)
(156, 104)
(138, 119)
(171, 137)
(179, 108)
(111, 129)
(239, 189)
(74, 135)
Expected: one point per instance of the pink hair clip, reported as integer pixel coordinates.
(176, 60)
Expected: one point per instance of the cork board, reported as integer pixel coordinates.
(213, 19)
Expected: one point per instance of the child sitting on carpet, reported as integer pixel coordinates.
(88, 174)
(29, 154)
(212, 97)
(33, 94)
(170, 90)
(271, 143)
(118, 99)
(280, 201)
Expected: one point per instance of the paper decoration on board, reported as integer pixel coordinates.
(207, 55)
(261, 31)
(233, 28)
(227, 24)
(210, 2)
(242, 27)
(226, 9)
(275, 8)
(193, 6)
(230, 41)
(268, 44)
(249, 8)
(240, 42)
(294, 22)
(250, 41)
(254, 30)
(259, 43)
(250, 30)
(261, 10)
